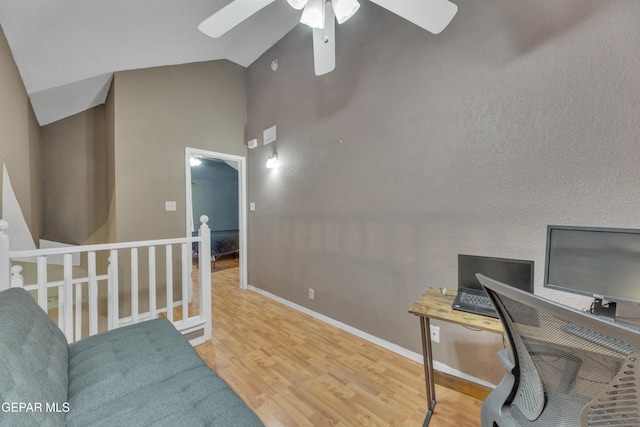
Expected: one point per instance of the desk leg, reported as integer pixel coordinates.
(428, 367)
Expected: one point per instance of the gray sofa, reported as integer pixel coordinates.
(141, 375)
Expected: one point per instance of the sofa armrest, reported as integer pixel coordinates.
(33, 362)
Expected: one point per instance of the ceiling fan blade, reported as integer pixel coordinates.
(230, 16)
(324, 44)
(432, 15)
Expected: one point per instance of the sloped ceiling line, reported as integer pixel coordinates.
(66, 52)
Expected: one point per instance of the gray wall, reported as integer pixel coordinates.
(157, 113)
(20, 146)
(110, 169)
(214, 192)
(419, 147)
(75, 174)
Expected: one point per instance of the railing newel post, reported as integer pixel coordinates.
(204, 265)
(5, 262)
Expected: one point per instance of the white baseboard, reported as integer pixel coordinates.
(416, 357)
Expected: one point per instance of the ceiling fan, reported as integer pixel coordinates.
(321, 16)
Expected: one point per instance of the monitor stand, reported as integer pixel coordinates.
(600, 308)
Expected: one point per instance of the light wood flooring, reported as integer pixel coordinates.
(294, 370)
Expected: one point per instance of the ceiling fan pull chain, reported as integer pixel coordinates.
(324, 14)
(325, 38)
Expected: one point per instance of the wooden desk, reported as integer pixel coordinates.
(433, 305)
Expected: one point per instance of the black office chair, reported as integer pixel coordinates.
(564, 367)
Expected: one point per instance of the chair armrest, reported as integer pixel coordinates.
(505, 357)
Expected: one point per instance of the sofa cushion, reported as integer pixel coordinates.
(148, 374)
(33, 363)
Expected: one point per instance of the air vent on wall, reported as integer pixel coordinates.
(269, 135)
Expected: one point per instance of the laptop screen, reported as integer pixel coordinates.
(515, 272)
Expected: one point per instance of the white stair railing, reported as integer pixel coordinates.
(79, 291)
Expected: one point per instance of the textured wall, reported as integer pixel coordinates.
(419, 147)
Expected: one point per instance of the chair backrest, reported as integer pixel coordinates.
(564, 367)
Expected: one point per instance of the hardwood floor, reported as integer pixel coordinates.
(294, 370)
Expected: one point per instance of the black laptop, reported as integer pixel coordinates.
(471, 296)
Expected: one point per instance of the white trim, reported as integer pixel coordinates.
(242, 200)
(416, 357)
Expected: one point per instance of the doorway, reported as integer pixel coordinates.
(227, 162)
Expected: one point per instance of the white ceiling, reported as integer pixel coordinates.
(67, 50)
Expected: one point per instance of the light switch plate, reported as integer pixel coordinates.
(170, 206)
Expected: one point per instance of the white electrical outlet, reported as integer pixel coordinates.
(435, 333)
(311, 293)
(170, 205)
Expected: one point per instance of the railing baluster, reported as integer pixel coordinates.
(134, 284)
(78, 310)
(93, 294)
(169, 281)
(43, 299)
(152, 283)
(68, 297)
(186, 294)
(17, 280)
(71, 290)
(114, 296)
(61, 307)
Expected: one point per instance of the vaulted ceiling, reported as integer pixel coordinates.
(67, 50)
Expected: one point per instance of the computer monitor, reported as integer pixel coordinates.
(603, 263)
(515, 272)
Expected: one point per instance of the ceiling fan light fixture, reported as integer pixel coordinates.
(344, 9)
(313, 14)
(297, 4)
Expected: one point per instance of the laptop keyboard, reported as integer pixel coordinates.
(479, 300)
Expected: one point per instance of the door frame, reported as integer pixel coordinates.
(242, 200)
